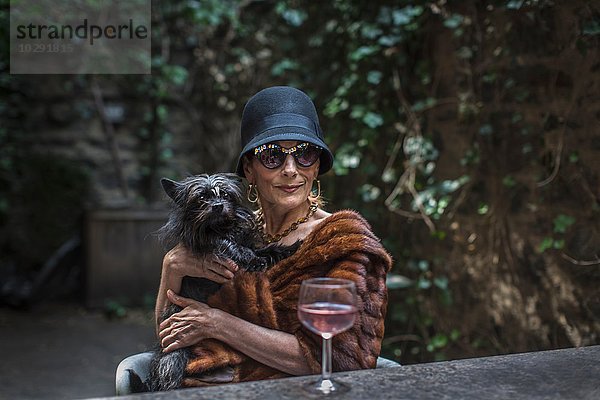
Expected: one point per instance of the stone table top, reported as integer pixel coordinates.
(555, 374)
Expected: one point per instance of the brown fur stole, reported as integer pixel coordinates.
(342, 246)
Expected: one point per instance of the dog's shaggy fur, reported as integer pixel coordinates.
(208, 217)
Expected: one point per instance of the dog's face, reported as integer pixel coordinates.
(212, 200)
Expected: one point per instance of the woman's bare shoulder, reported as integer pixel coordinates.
(320, 215)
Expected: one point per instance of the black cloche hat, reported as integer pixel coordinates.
(281, 113)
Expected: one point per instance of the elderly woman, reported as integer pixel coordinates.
(249, 329)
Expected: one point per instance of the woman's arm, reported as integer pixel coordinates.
(180, 262)
(277, 349)
(169, 280)
(197, 321)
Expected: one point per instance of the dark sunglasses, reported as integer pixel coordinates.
(272, 155)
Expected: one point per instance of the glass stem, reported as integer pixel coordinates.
(326, 359)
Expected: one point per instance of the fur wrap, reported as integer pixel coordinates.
(342, 246)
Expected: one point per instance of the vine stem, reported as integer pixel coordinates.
(407, 180)
(579, 262)
(557, 157)
(559, 147)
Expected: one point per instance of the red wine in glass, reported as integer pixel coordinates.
(327, 306)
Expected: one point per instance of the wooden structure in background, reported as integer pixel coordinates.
(123, 256)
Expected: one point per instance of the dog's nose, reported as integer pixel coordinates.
(217, 207)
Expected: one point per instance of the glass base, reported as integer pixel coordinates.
(325, 387)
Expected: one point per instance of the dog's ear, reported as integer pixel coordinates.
(170, 187)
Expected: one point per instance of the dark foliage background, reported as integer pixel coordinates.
(467, 132)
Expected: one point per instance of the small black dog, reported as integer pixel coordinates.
(208, 217)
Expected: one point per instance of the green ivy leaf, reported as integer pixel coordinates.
(176, 74)
(423, 265)
(348, 157)
(424, 104)
(291, 16)
(546, 244)
(370, 31)
(372, 120)
(369, 192)
(527, 148)
(389, 40)
(490, 77)
(486, 130)
(374, 77)
(509, 181)
(439, 341)
(454, 21)
(483, 209)
(573, 157)
(362, 52)
(591, 28)
(114, 309)
(514, 4)
(395, 281)
(424, 284)
(454, 335)
(562, 222)
(358, 111)
(440, 235)
(441, 282)
(334, 106)
(283, 66)
(405, 16)
(166, 154)
(464, 53)
(389, 175)
(162, 112)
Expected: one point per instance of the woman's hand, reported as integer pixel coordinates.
(182, 262)
(195, 322)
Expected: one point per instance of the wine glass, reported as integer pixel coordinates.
(327, 306)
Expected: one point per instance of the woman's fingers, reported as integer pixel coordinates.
(166, 332)
(230, 265)
(166, 327)
(213, 276)
(209, 266)
(214, 273)
(181, 301)
(182, 316)
(221, 268)
(173, 346)
(185, 328)
(177, 339)
(172, 329)
(193, 313)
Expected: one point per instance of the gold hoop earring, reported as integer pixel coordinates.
(318, 195)
(252, 191)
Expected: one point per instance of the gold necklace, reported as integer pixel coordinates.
(276, 238)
